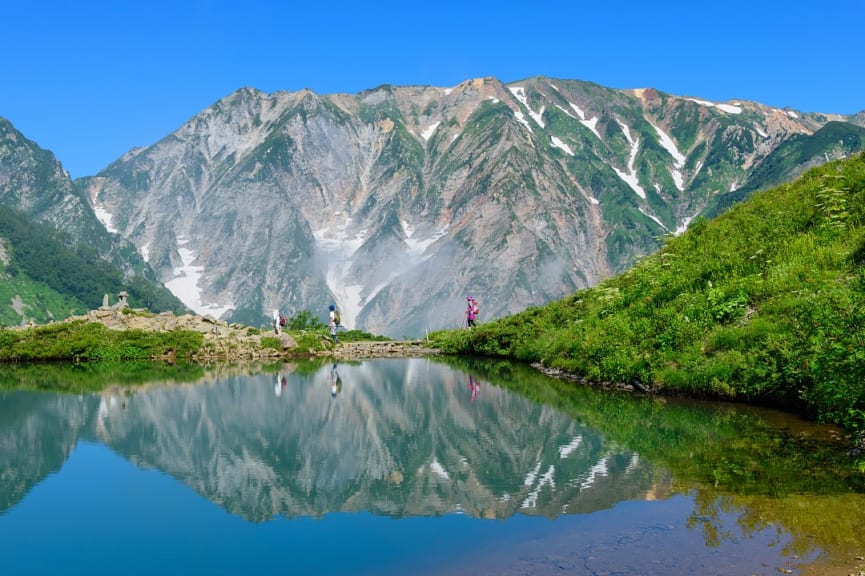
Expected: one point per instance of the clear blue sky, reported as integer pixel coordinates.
(90, 79)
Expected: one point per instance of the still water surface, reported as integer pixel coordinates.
(410, 466)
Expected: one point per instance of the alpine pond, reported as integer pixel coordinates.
(408, 466)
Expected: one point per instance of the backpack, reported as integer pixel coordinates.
(336, 319)
(282, 320)
(475, 308)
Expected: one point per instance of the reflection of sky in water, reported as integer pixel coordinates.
(399, 473)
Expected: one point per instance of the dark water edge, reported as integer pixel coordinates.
(684, 487)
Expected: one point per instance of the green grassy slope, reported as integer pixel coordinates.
(41, 278)
(765, 303)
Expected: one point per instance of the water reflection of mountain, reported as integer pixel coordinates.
(37, 434)
(401, 438)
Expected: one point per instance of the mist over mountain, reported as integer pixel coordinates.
(397, 202)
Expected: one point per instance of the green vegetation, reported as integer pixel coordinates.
(304, 320)
(306, 328)
(271, 342)
(763, 304)
(34, 300)
(92, 342)
(56, 281)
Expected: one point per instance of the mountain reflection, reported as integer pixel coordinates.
(391, 437)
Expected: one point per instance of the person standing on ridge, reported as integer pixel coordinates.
(333, 322)
(276, 320)
(470, 312)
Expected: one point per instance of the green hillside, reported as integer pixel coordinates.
(42, 279)
(793, 157)
(765, 304)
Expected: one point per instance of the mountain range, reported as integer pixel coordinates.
(398, 202)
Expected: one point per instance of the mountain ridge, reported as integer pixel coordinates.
(396, 202)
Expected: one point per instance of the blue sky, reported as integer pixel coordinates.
(90, 79)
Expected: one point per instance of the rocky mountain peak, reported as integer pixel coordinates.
(396, 202)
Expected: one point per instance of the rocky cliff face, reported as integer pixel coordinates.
(397, 202)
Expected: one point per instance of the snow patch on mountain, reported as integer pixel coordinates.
(184, 285)
(105, 217)
(670, 146)
(561, 145)
(630, 177)
(337, 249)
(681, 228)
(439, 470)
(426, 134)
(417, 246)
(728, 108)
(102, 214)
(520, 94)
(522, 120)
(337, 252)
(590, 123)
(653, 218)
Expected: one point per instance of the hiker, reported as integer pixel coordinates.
(470, 312)
(276, 320)
(333, 322)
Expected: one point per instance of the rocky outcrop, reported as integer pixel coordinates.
(234, 341)
(221, 339)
